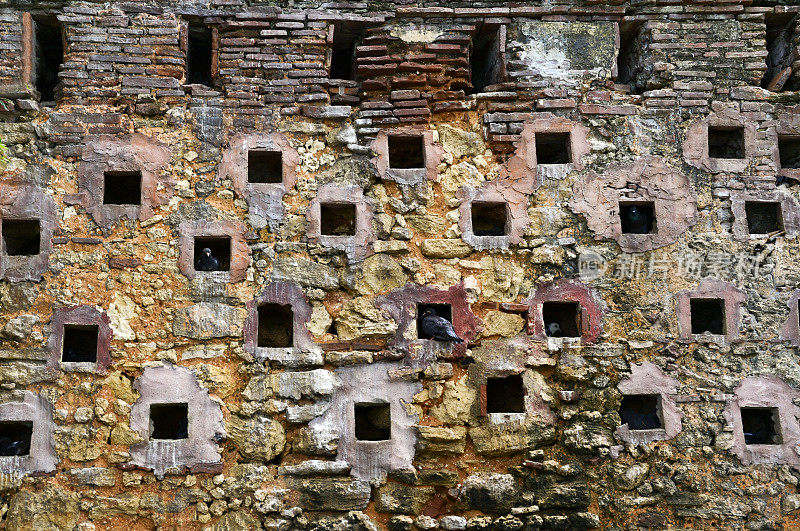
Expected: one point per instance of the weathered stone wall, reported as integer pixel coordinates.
(517, 427)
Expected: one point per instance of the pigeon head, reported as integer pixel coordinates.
(206, 252)
(429, 312)
(634, 212)
(553, 329)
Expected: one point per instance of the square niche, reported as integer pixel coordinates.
(789, 152)
(553, 148)
(373, 421)
(641, 412)
(337, 219)
(761, 425)
(637, 217)
(219, 258)
(275, 326)
(264, 167)
(442, 310)
(21, 237)
(726, 142)
(707, 315)
(15, 438)
(505, 395)
(562, 319)
(489, 218)
(122, 188)
(169, 421)
(763, 217)
(406, 152)
(79, 344)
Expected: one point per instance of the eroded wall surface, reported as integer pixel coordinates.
(296, 389)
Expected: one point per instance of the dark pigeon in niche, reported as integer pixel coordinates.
(554, 330)
(10, 446)
(207, 262)
(636, 221)
(438, 327)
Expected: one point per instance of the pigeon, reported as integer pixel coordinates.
(9, 446)
(636, 221)
(554, 330)
(207, 262)
(437, 327)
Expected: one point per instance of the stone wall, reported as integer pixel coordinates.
(609, 377)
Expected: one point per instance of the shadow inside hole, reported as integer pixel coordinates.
(275, 325)
(760, 425)
(80, 344)
(552, 148)
(406, 152)
(708, 315)
(169, 421)
(264, 167)
(22, 237)
(373, 422)
(489, 218)
(505, 395)
(337, 219)
(122, 188)
(641, 412)
(726, 142)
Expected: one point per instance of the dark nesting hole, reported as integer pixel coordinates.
(343, 52)
(275, 325)
(780, 29)
(218, 257)
(373, 422)
(641, 412)
(708, 315)
(763, 217)
(638, 217)
(562, 319)
(80, 344)
(485, 61)
(264, 167)
(22, 237)
(442, 310)
(726, 142)
(760, 425)
(630, 61)
(337, 219)
(15, 438)
(505, 395)
(789, 151)
(122, 188)
(48, 47)
(199, 54)
(406, 152)
(169, 421)
(552, 148)
(489, 219)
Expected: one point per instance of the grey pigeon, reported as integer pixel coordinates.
(207, 262)
(636, 221)
(437, 327)
(554, 329)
